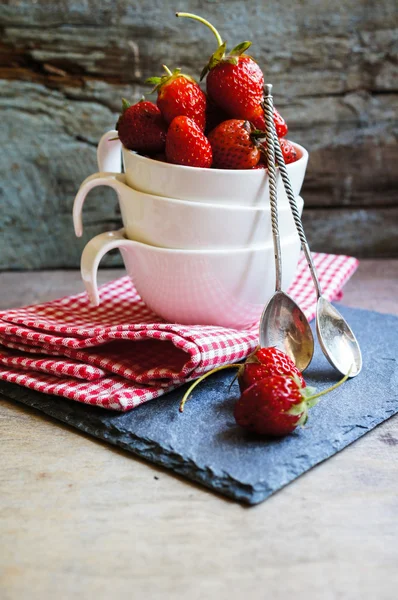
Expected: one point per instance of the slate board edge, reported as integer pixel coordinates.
(153, 452)
(143, 448)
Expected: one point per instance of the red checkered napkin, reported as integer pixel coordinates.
(120, 354)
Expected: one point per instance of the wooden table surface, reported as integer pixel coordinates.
(81, 519)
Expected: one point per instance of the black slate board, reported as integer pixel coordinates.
(205, 445)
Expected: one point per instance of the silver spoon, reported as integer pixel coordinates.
(336, 339)
(283, 324)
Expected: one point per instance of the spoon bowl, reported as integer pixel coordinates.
(336, 339)
(284, 325)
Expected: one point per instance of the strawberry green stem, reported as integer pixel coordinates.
(312, 400)
(195, 383)
(201, 20)
(169, 73)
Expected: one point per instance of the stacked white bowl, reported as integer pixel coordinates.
(197, 243)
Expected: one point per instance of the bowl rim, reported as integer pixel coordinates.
(253, 172)
(205, 205)
(293, 238)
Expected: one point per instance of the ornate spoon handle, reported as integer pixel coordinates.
(295, 212)
(273, 197)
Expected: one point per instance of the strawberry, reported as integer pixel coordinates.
(289, 152)
(265, 362)
(236, 88)
(280, 124)
(141, 127)
(233, 146)
(273, 406)
(179, 94)
(187, 145)
(214, 115)
(235, 81)
(258, 120)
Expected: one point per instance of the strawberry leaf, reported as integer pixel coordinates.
(303, 419)
(240, 49)
(218, 55)
(215, 58)
(204, 72)
(125, 105)
(308, 392)
(153, 80)
(297, 409)
(233, 60)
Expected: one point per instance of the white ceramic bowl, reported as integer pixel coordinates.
(227, 288)
(243, 187)
(170, 223)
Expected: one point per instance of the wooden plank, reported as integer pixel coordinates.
(65, 65)
(307, 51)
(40, 177)
(363, 233)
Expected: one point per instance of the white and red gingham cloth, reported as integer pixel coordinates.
(121, 354)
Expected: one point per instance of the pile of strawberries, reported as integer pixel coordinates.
(223, 128)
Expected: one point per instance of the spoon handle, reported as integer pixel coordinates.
(273, 197)
(296, 214)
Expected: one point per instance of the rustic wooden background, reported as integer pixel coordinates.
(65, 64)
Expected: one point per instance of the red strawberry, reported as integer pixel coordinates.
(258, 120)
(236, 88)
(141, 127)
(214, 115)
(235, 81)
(265, 362)
(274, 406)
(233, 147)
(187, 145)
(289, 152)
(179, 94)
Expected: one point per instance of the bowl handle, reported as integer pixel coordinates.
(112, 180)
(92, 254)
(109, 153)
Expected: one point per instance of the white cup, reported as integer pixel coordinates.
(247, 187)
(226, 288)
(171, 223)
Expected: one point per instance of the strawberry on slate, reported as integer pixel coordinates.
(289, 152)
(141, 127)
(273, 406)
(276, 405)
(187, 145)
(258, 120)
(234, 81)
(233, 146)
(265, 362)
(262, 363)
(179, 94)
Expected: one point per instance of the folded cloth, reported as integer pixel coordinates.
(92, 355)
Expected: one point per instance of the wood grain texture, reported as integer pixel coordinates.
(65, 65)
(80, 519)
